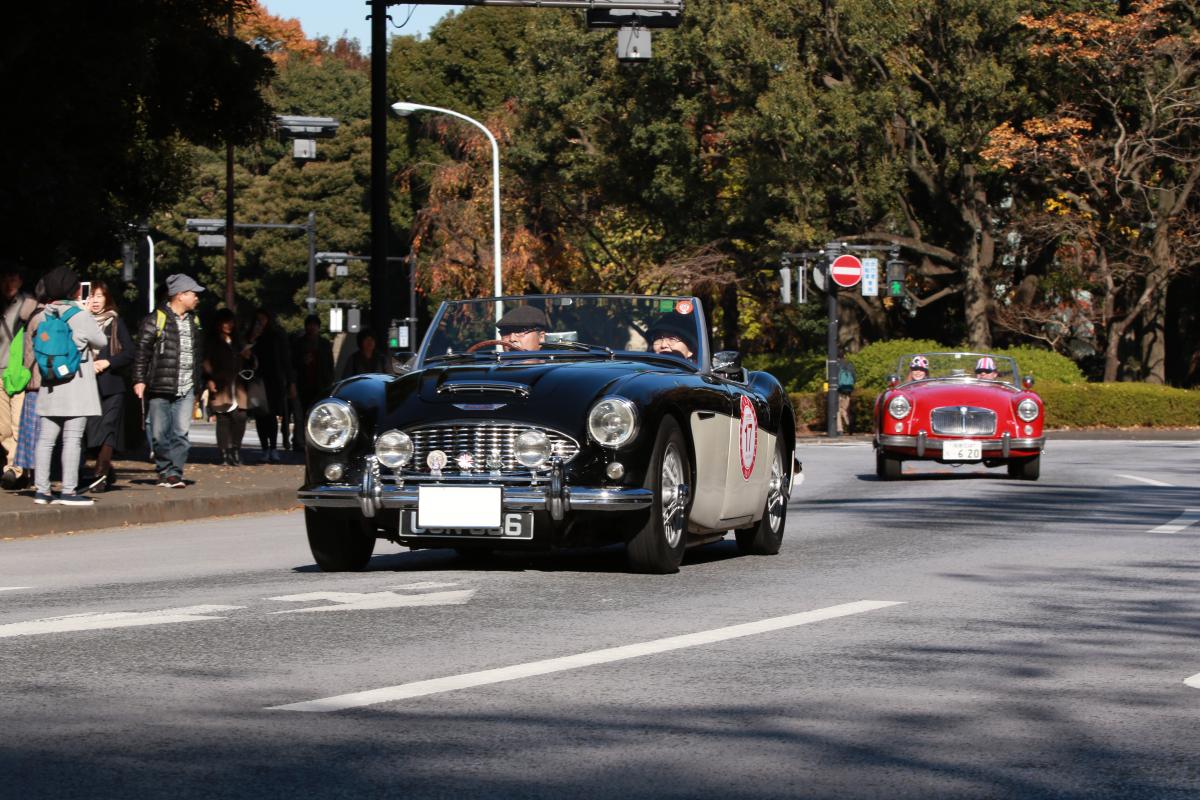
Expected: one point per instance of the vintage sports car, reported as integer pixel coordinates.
(959, 408)
(587, 436)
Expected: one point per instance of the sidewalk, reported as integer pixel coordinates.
(212, 490)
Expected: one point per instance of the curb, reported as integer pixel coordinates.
(63, 519)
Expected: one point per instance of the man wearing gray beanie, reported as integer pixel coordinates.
(166, 371)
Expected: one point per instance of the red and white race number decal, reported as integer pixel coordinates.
(683, 307)
(748, 438)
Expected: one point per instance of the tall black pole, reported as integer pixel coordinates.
(230, 300)
(379, 189)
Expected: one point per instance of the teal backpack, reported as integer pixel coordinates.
(54, 347)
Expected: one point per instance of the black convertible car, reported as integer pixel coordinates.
(615, 423)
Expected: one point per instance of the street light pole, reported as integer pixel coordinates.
(151, 287)
(404, 109)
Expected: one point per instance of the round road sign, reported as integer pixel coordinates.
(846, 271)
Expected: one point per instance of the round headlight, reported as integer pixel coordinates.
(394, 449)
(1027, 410)
(532, 448)
(899, 406)
(331, 424)
(612, 421)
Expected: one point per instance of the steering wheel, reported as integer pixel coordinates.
(488, 342)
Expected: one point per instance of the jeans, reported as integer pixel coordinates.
(71, 429)
(168, 420)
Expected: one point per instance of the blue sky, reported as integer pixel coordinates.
(333, 17)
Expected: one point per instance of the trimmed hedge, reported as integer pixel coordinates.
(1081, 405)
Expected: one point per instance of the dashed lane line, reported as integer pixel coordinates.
(1193, 681)
(13, 588)
(1184, 521)
(608, 655)
(1140, 479)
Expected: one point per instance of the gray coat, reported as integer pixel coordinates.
(79, 396)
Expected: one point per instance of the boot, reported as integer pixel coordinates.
(237, 456)
(227, 458)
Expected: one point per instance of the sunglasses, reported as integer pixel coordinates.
(519, 331)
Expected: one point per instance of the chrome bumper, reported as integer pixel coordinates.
(372, 495)
(996, 447)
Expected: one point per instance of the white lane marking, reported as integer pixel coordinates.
(1184, 521)
(1193, 681)
(118, 619)
(13, 588)
(471, 679)
(1139, 478)
(363, 601)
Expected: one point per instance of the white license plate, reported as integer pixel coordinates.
(458, 506)
(515, 525)
(962, 450)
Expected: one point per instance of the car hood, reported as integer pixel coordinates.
(555, 394)
(932, 394)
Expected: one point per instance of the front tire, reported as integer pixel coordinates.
(887, 468)
(1027, 469)
(338, 543)
(658, 547)
(766, 537)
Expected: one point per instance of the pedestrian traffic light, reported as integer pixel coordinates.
(896, 270)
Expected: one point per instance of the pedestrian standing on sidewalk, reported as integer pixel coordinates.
(167, 364)
(367, 358)
(16, 309)
(270, 348)
(845, 388)
(31, 423)
(225, 358)
(106, 433)
(64, 336)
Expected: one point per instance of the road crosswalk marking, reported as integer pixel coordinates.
(605, 656)
(117, 619)
(364, 601)
(1181, 523)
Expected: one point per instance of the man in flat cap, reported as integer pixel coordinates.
(673, 334)
(166, 372)
(524, 328)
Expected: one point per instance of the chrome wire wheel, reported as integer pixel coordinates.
(673, 495)
(776, 501)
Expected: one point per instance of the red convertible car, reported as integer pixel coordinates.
(958, 408)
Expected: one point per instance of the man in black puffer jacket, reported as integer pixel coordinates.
(166, 375)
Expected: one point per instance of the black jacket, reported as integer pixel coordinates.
(156, 362)
(112, 380)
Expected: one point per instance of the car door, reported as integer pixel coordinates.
(751, 448)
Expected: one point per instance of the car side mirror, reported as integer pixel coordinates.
(727, 363)
(893, 381)
(1027, 381)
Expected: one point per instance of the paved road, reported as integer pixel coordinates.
(1018, 640)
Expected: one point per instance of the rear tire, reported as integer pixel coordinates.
(658, 547)
(766, 537)
(1027, 469)
(887, 468)
(339, 543)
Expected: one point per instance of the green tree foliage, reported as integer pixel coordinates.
(102, 99)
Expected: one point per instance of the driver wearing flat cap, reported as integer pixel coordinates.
(523, 328)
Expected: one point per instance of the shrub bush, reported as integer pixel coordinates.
(794, 372)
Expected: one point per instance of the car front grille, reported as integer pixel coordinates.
(963, 421)
(482, 440)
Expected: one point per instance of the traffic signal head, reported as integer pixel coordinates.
(895, 278)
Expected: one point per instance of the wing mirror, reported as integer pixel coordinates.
(893, 381)
(727, 363)
(1027, 381)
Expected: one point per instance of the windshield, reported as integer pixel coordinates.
(557, 324)
(958, 366)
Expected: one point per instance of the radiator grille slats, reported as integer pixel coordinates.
(481, 440)
(963, 421)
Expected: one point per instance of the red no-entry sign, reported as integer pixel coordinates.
(846, 271)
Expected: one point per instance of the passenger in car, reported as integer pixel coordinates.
(985, 369)
(918, 369)
(673, 334)
(524, 328)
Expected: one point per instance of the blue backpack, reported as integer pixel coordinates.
(54, 347)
